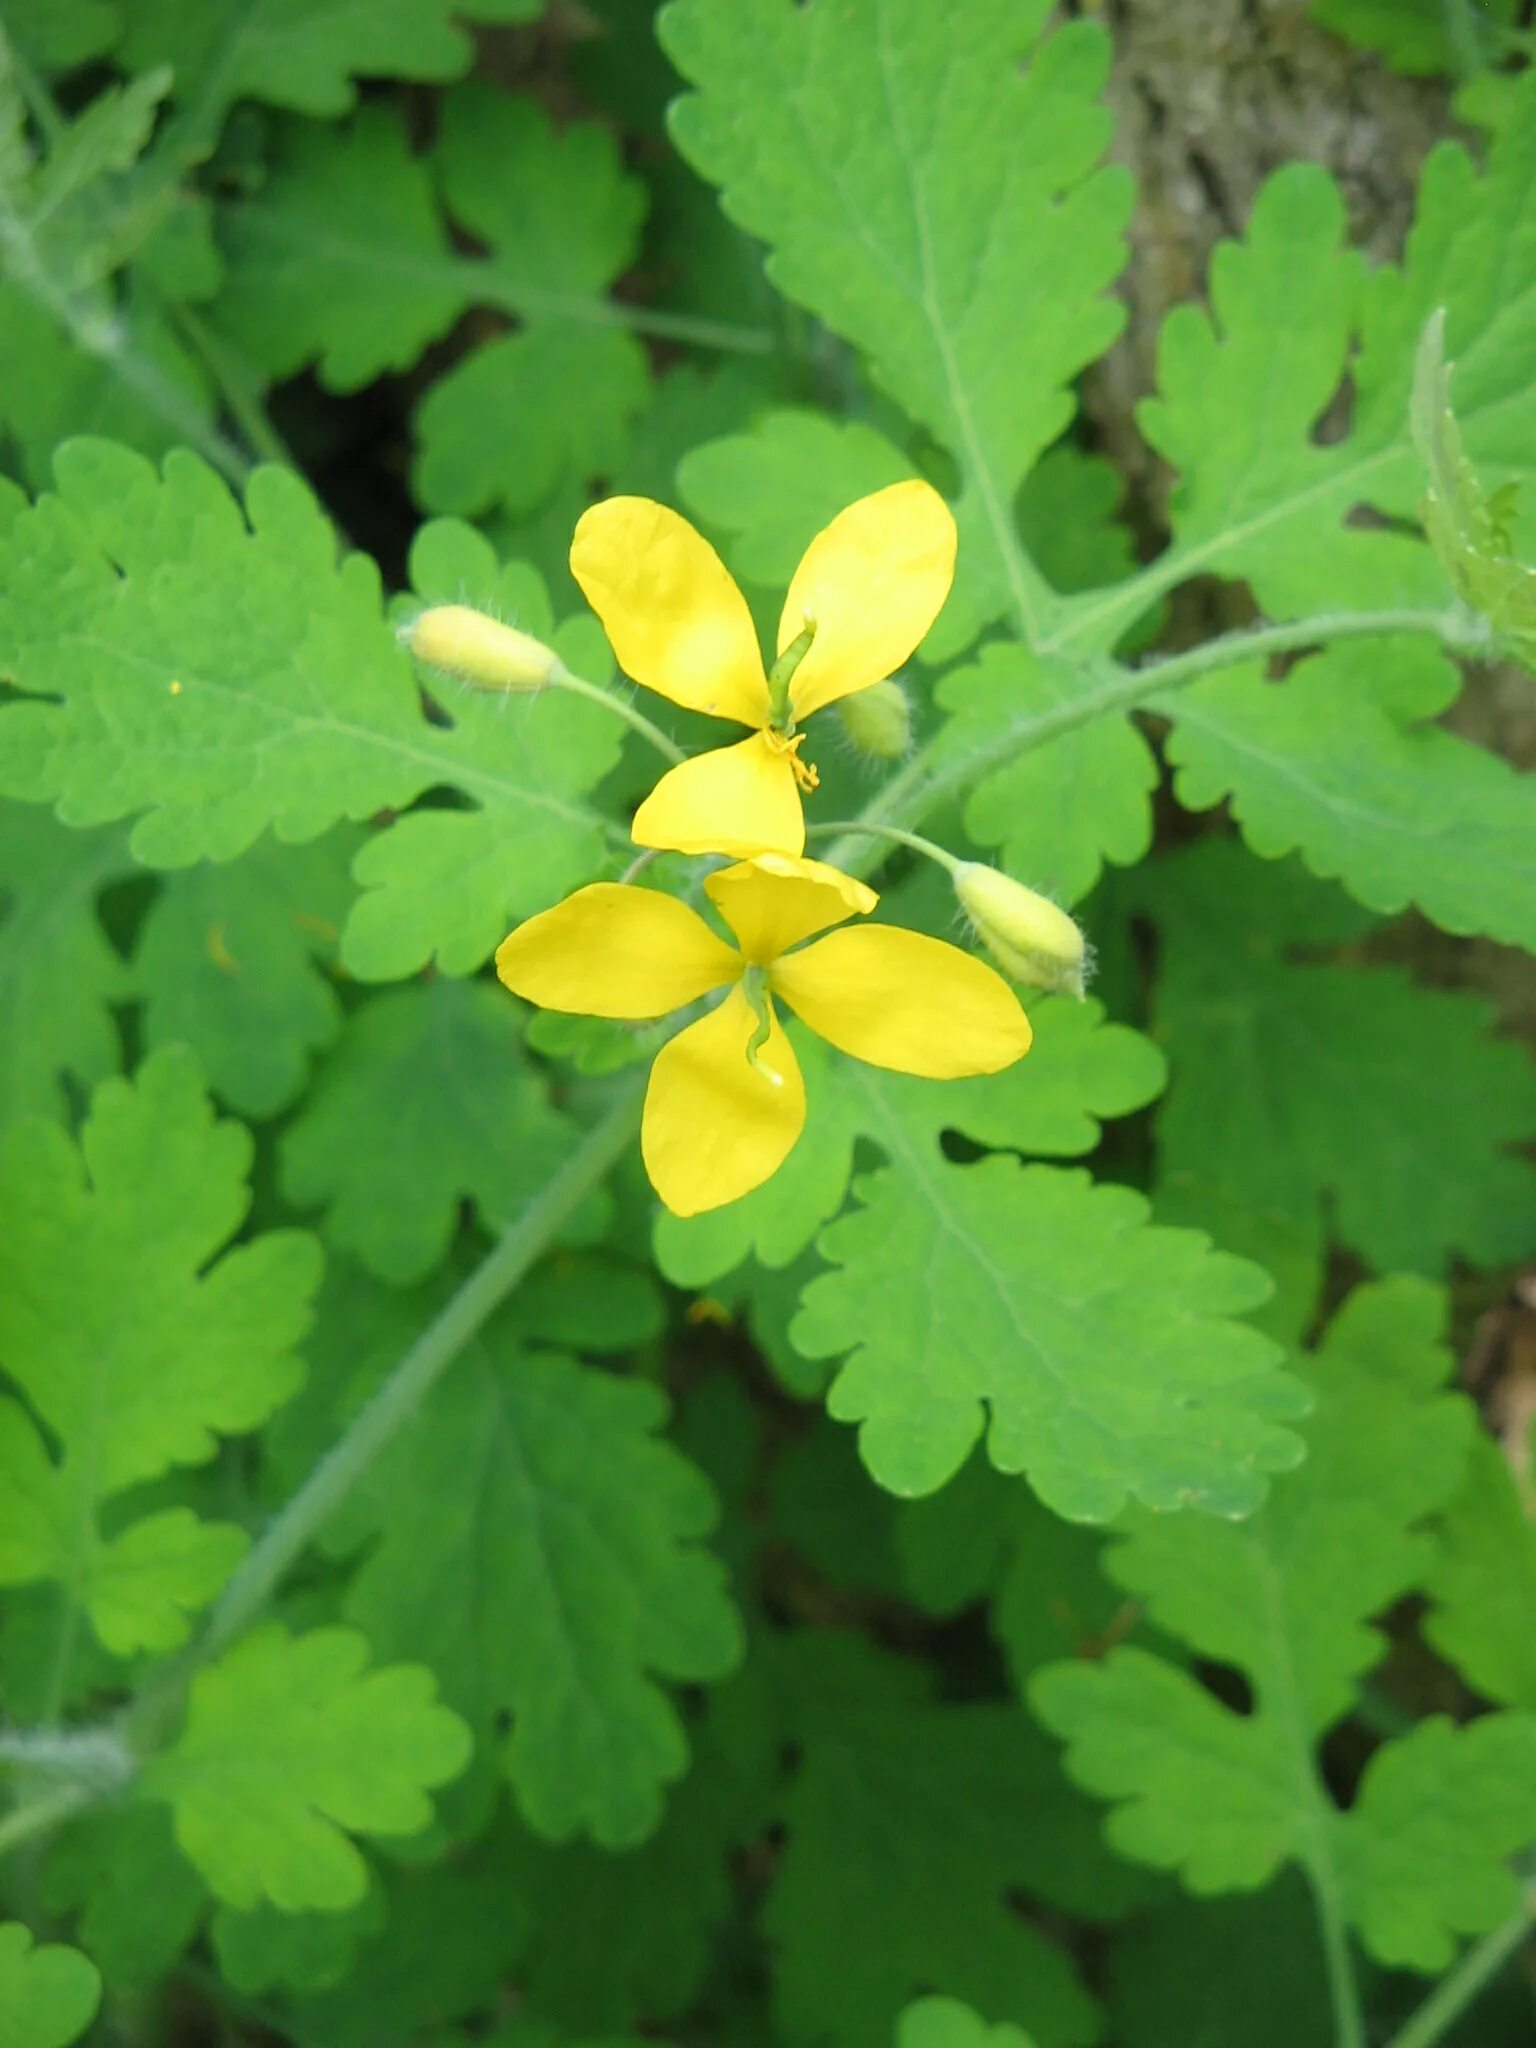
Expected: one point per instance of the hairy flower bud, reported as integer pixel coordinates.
(878, 721)
(481, 650)
(1028, 935)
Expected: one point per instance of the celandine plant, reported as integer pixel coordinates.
(589, 1452)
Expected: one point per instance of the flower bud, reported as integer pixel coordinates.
(1028, 935)
(481, 650)
(878, 721)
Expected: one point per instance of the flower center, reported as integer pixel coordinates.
(789, 745)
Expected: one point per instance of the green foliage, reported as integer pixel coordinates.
(1341, 762)
(408, 1118)
(1303, 1084)
(1223, 1798)
(963, 240)
(502, 1637)
(291, 1746)
(1104, 1348)
(143, 1370)
(48, 1996)
(59, 972)
(541, 1550)
(304, 53)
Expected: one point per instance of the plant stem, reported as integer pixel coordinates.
(927, 847)
(86, 1753)
(1343, 1990)
(237, 384)
(418, 1372)
(1454, 1993)
(41, 1815)
(563, 679)
(922, 784)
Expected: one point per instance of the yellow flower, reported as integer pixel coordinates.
(867, 589)
(726, 1101)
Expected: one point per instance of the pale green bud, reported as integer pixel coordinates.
(878, 721)
(480, 650)
(1029, 936)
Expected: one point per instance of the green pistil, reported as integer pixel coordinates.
(754, 986)
(782, 674)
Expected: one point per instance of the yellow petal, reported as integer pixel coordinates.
(671, 608)
(716, 1126)
(900, 999)
(736, 800)
(772, 903)
(615, 951)
(874, 582)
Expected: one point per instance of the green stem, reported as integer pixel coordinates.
(927, 847)
(236, 381)
(1343, 1988)
(563, 679)
(481, 281)
(1454, 1993)
(922, 783)
(418, 1372)
(40, 1816)
(96, 1754)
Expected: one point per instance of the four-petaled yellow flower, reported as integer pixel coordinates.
(726, 1100)
(867, 590)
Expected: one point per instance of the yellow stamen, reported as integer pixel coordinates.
(806, 775)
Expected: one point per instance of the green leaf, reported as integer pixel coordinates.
(1426, 1851)
(59, 972)
(1102, 1347)
(48, 1996)
(1301, 1087)
(561, 218)
(541, 1549)
(55, 35)
(1483, 1582)
(138, 1898)
(946, 2023)
(932, 200)
(146, 1581)
(342, 258)
(1421, 36)
(169, 1347)
(291, 1746)
(428, 1101)
(1080, 1070)
(446, 1946)
(1242, 388)
(262, 1949)
(267, 691)
(1202, 1973)
(1342, 762)
(1060, 810)
(1224, 1798)
(304, 53)
(229, 961)
(921, 1824)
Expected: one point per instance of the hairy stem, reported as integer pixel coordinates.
(1477, 1968)
(868, 828)
(928, 778)
(562, 679)
(289, 1534)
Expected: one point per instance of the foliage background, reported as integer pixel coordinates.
(626, 1694)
